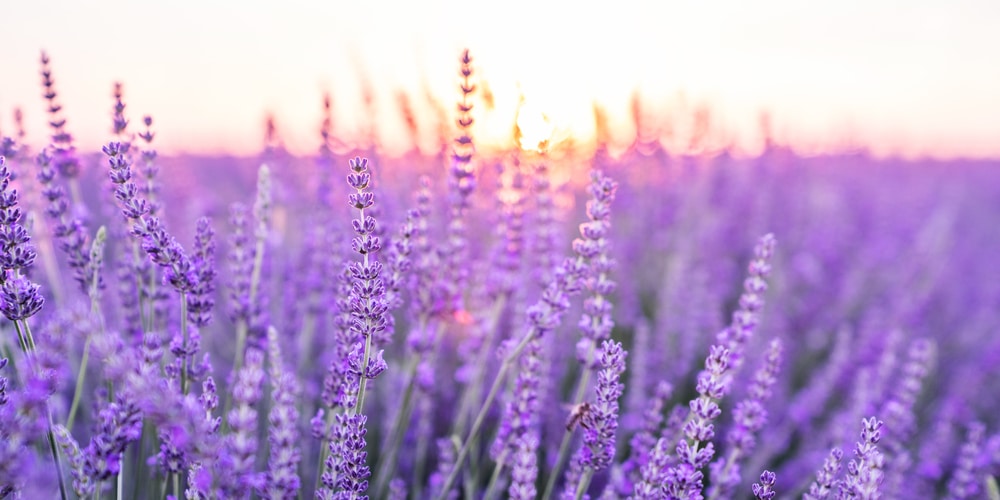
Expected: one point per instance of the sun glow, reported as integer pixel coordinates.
(532, 128)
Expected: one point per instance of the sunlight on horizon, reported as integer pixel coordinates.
(892, 77)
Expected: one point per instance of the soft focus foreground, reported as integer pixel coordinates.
(523, 325)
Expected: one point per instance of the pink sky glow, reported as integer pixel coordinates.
(897, 77)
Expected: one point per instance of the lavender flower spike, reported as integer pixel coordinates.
(162, 249)
(865, 471)
(684, 480)
(749, 416)
(966, 481)
(826, 478)
(601, 420)
(764, 490)
(368, 307)
(69, 231)
(200, 301)
(237, 465)
(543, 317)
(282, 481)
(746, 317)
(19, 297)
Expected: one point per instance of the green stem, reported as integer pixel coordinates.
(242, 325)
(144, 435)
(387, 462)
(120, 480)
(731, 458)
(78, 392)
(588, 474)
(241, 342)
(481, 417)
(495, 477)
(423, 443)
(324, 447)
(184, 343)
(28, 344)
(364, 376)
(581, 390)
(163, 487)
(142, 300)
(21, 341)
(305, 344)
(55, 457)
(473, 390)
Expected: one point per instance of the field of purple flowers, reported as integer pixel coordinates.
(477, 326)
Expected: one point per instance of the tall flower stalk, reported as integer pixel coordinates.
(543, 317)
(600, 421)
(596, 323)
(161, 248)
(20, 298)
(368, 319)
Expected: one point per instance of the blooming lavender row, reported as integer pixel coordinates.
(523, 325)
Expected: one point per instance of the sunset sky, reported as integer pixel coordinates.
(899, 77)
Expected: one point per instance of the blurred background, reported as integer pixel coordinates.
(893, 78)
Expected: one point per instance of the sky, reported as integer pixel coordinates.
(911, 78)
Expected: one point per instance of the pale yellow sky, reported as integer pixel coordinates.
(902, 77)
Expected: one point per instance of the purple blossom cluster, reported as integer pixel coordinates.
(492, 325)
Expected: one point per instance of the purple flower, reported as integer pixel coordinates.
(684, 480)
(524, 467)
(764, 490)
(352, 470)
(826, 478)
(201, 301)
(864, 472)
(237, 471)
(64, 153)
(461, 184)
(899, 413)
(119, 424)
(241, 255)
(210, 401)
(3, 383)
(746, 317)
(644, 442)
(654, 473)
(335, 383)
(749, 416)
(446, 464)
(69, 231)
(346, 470)
(83, 486)
(521, 413)
(162, 249)
(398, 265)
(601, 421)
(119, 123)
(147, 154)
(282, 481)
(23, 421)
(596, 322)
(368, 306)
(19, 297)
(966, 480)
(15, 252)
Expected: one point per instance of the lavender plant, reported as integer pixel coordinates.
(518, 353)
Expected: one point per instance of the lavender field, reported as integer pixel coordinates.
(485, 324)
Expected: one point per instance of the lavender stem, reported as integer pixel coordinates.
(567, 440)
(481, 416)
